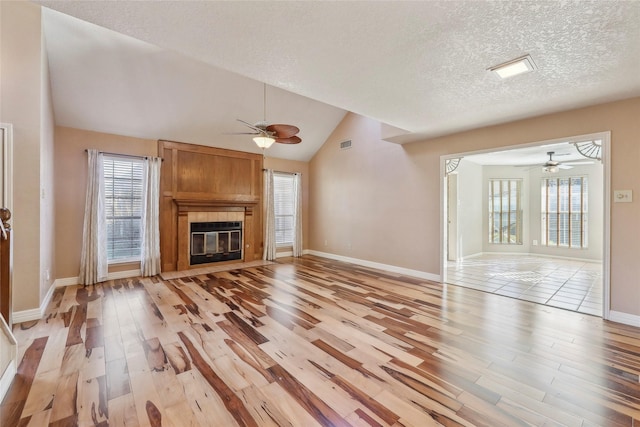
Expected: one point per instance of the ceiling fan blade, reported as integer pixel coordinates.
(586, 162)
(257, 129)
(563, 166)
(291, 140)
(241, 133)
(283, 131)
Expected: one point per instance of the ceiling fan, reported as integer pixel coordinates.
(267, 134)
(554, 165)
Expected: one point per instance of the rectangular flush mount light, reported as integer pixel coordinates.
(521, 65)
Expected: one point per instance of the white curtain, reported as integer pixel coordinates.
(150, 253)
(93, 260)
(269, 218)
(297, 215)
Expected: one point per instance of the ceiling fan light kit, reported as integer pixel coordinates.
(263, 141)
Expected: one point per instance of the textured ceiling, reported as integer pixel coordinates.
(107, 82)
(419, 66)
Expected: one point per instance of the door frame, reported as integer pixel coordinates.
(452, 216)
(6, 151)
(605, 136)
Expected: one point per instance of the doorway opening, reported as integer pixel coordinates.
(530, 222)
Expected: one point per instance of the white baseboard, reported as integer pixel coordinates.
(27, 315)
(626, 318)
(379, 266)
(37, 313)
(65, 281)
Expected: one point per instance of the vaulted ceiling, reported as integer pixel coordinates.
(186, 70)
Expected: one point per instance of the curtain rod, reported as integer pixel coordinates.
(120, 154)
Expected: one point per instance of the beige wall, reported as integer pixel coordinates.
(25, 104)
(282, 165)
(70, 186)
(381, 202)
(374, 201)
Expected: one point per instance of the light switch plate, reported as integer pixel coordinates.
(622, 196)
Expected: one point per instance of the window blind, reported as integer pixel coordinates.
(284, 208)
(564, 212)
(505, 211)
(123, 180)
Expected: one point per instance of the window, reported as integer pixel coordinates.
(283, 195)
(123, 180)
(505, 211)
(564, 212)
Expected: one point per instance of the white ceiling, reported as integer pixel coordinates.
(418, 66)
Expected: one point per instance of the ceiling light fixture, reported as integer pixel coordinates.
(521, 65)
(263, 141)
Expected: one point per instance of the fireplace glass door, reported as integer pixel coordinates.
(212, 246)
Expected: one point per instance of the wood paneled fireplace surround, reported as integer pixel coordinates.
(202, 184)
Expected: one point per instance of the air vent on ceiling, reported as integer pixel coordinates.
(345, 144)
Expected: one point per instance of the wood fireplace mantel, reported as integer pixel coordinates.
(204, 205)
(205, 182)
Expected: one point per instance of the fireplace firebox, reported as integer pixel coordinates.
(215, 241)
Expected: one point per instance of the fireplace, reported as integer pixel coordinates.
(239, 214)
(215, 241)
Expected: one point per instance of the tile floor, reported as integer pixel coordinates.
(568, 284)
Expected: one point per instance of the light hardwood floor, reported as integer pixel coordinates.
(310, 341)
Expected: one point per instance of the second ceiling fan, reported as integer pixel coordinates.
(553, 166)
(267, 134)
